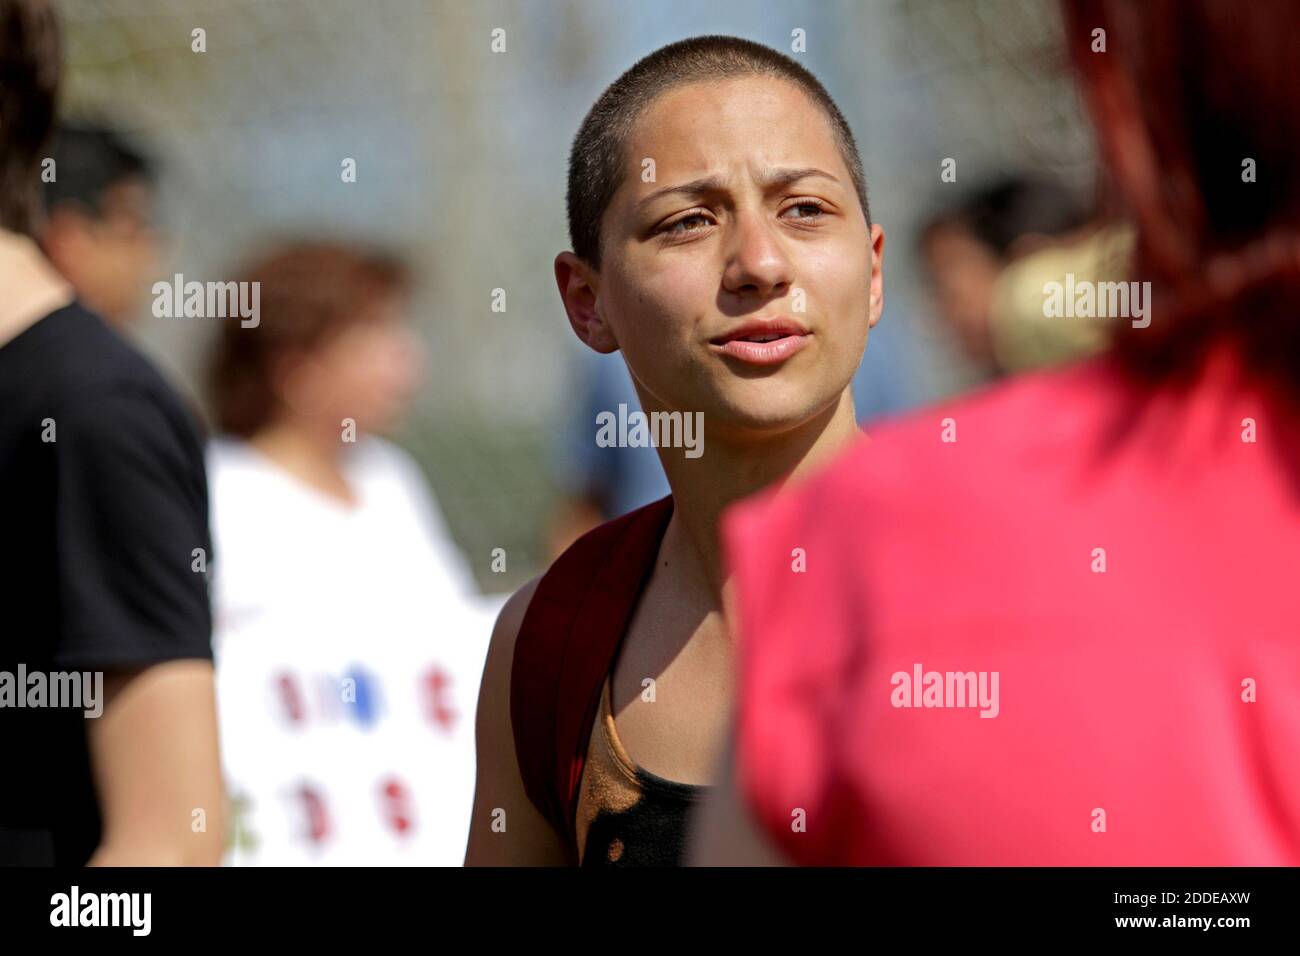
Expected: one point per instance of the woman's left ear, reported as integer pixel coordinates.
(877, 300)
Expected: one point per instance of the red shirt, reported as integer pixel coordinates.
(1117, 555)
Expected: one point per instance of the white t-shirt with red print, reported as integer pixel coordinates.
(349, 643)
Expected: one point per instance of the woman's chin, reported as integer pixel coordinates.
(768, 419)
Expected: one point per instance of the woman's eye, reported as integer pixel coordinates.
(815, 207)
(671, 229)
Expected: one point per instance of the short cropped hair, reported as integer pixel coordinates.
(596, 162)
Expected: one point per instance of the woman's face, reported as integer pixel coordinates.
(368, 371)
(747, 214)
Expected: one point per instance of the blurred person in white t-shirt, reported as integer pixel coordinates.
(347, 629)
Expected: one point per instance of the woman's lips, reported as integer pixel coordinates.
(764, 353)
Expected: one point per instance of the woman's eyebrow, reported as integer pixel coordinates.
(775, 178)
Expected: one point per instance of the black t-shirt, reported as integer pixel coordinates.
(103, 501)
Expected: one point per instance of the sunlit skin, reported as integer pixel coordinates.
(681, 266)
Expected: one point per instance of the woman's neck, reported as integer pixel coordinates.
(728, 471)
(313, 457)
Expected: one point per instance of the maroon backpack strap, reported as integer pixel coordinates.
(565, 648)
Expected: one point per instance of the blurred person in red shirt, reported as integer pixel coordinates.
(1056, 622)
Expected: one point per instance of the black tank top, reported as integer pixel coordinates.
(628, 816)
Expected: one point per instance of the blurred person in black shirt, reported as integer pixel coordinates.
(107, 711)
